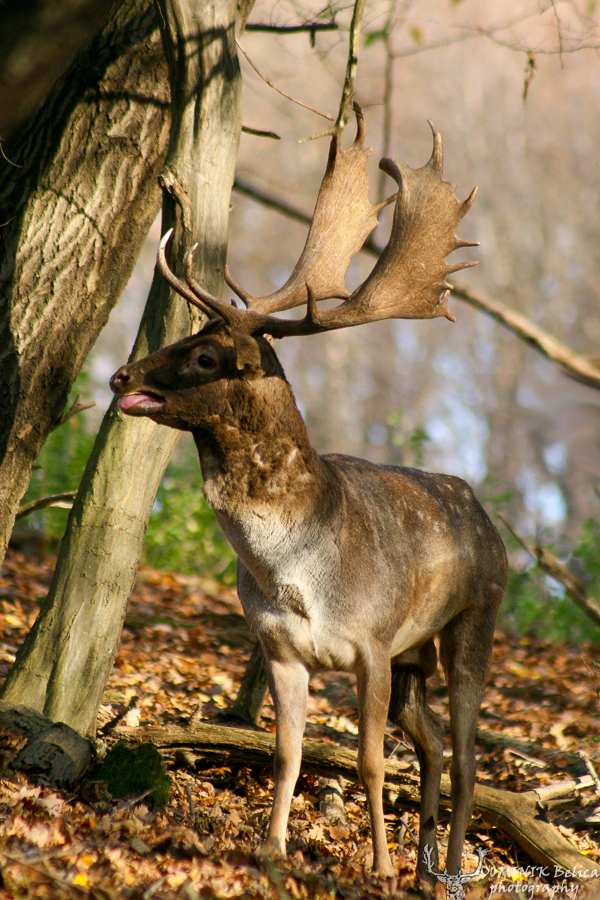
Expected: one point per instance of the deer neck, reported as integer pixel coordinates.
(255, 453)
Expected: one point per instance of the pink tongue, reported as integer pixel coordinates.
(133, 400)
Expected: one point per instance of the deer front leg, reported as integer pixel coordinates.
(374, 684)
(289, 688)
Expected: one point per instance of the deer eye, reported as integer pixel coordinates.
(206, 362)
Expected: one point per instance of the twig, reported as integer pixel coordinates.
(392, 22)
(576, 365)
(112, 723)
(515, 814)
(76, 407)
(155, 887)
(310, 27)
(351, 66)
(196, 716)
(589, 766)
(59, 500)
(560, 789)
(190, 800)
(550, 564)
(268, 134)
(580, 367)
(558, 29)
(270, 200)
(292, 212)
(51, 876)
(127, 804)
(279, 91)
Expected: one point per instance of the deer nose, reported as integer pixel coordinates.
(119, 380)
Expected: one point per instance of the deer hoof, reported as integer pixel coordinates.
(271, 849)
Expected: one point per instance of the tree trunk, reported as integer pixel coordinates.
(78, 193)
(37, 43)
(63, 666)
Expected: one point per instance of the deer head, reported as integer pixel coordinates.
(409, 280)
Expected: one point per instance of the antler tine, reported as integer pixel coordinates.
(244, 296)
(179, 286)
(436, 160)
(217, 308)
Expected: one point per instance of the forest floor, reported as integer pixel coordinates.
(185, 643)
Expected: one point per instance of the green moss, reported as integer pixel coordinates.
(132, 770)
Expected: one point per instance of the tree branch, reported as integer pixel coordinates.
(351, 66)
(310, 27)
(77, 406)
(63, 501)
(550, 564)
(580, 367)
(279, 91)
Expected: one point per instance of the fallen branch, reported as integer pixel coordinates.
(550, 564)
(517, 815)
(494, 739)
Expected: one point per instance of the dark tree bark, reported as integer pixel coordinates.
(63, 666)
(76, 201)
(38, 41)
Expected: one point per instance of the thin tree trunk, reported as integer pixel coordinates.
(76, 202)
(63, 666)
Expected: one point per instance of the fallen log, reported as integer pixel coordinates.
(517, 815)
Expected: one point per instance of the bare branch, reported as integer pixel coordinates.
(583, 41)
(351, 66)
(580, 367)
(550, 564)
(310, 27)
(76, 407)
(559, 31)
(392, 22)
(62, 501)
(271, 201)
(256, 131)
(279, 91)
(292, 212)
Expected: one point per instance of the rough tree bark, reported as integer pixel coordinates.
(76, 201)
(63, 666)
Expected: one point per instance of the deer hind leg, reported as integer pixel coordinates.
(373, 685)
(409, 710)
(289, 688)
(466, 649)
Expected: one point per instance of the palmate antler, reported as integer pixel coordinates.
(409, 278)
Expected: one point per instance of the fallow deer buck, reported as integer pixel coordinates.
(342, 564)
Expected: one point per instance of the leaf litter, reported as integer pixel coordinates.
(183, 653)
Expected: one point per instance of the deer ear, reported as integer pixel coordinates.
(247, 352)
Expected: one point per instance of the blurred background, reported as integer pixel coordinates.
(513, 88)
